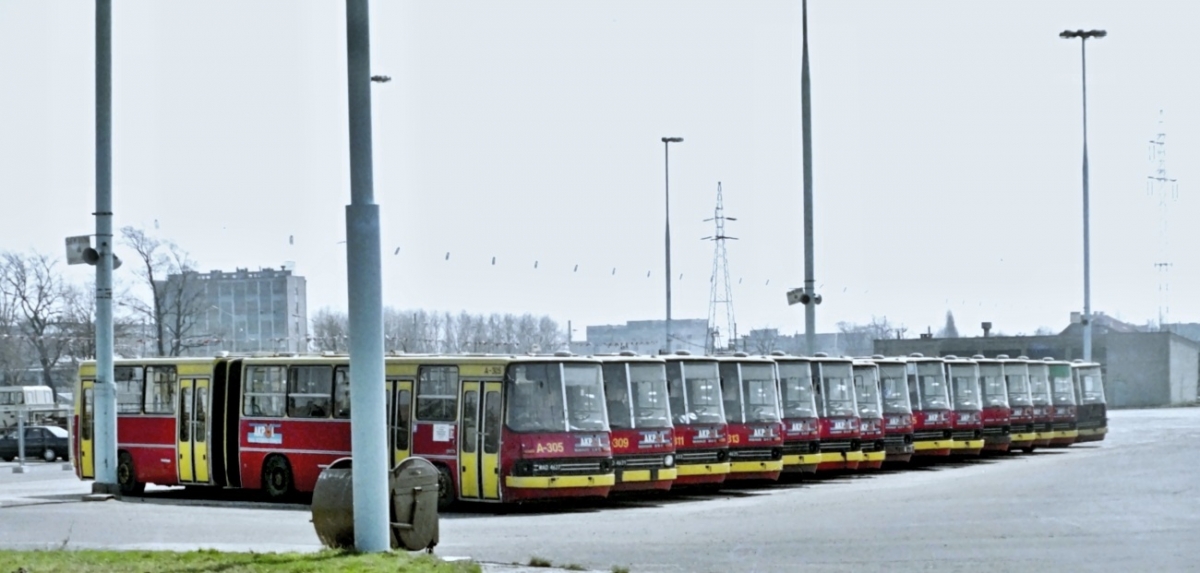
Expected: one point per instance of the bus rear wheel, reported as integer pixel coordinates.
(277, 478)
(446, 497)
(126, 478)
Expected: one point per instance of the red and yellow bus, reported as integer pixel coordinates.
(1020, 401)
(639, 416)
(1091, 406)
(1043, 401)
(801, 424)
(930, 397)
(997, 415)
(498, 428)
(701, 434)
(963, 377)
(1065, 428)
(841, 438)
(870, 413)
(897, 409)
(750, 394)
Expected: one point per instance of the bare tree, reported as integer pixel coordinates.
(14, 358)
(763, 340)
(176, 297)
(331, 331)
(39, 295)
(859, 339)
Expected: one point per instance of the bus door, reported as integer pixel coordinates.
(193, 430)
(399, 397)
(479, 446)
(87, 468)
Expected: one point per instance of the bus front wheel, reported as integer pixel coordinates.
(126, 478)
(277, 478)
(446, 495)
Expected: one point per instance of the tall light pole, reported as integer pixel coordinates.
(1087, 287)
(667, 141)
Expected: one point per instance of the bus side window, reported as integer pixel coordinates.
(309, 391)
(437, 394)
(160, 390)
(265, 387)
(130, 383)
(403, 418)
(341, 392)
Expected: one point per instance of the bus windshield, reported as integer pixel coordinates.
(731, 392)
(1039, 386)
(1090, 388)
(695, 392)
(795, 382)
(995, 393)
(934, 394)
(758, 387)
(966, 387)
(866, 391)
(556, 397)
(649, 382)
(1060, 384)
(895, 390)
(1018, 387)
(837, 391)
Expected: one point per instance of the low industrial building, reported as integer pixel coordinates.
(1140, 369)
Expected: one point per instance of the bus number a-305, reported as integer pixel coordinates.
(550, 448)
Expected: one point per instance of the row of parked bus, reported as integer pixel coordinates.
(520, 428)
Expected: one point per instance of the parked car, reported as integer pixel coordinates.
(47, 442)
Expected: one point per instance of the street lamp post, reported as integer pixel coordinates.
(667, 141)
(1087, 287)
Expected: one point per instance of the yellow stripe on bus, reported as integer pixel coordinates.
(553, 482)
(921, 446)
(702, 469)
(760, 466)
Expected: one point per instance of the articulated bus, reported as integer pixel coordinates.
(1020, 401)
(801, 425)
(931, 406)
(639, 416)
(498, 428)
(1091, 411)
(1064, 413)
(967, 432)
(701, 435)
(750, 394)
(997, 424)
(870, 413)
(841, 439)
(1043, 401)
(897, 409)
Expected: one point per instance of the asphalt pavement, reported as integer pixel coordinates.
(1131, 502)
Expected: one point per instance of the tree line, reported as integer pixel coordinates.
(48, 323)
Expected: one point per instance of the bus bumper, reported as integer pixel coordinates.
(801, 463)
(633, 480)
(1092, 434)
(967, 447)
(1063, 438)
(840, 460)
(692, 474)
(933, 447)
(556, 482)
(754, 470)
(872, 460)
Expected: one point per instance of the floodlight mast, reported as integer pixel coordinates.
(1087, 269)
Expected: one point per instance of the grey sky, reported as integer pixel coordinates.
(946, 148)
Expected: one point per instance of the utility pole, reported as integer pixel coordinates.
(720, 272)
(1167, 190)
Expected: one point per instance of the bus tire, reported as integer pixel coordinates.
(126, 478)
(446, 496)
(277, 478)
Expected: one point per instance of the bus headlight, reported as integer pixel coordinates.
(668, 461)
